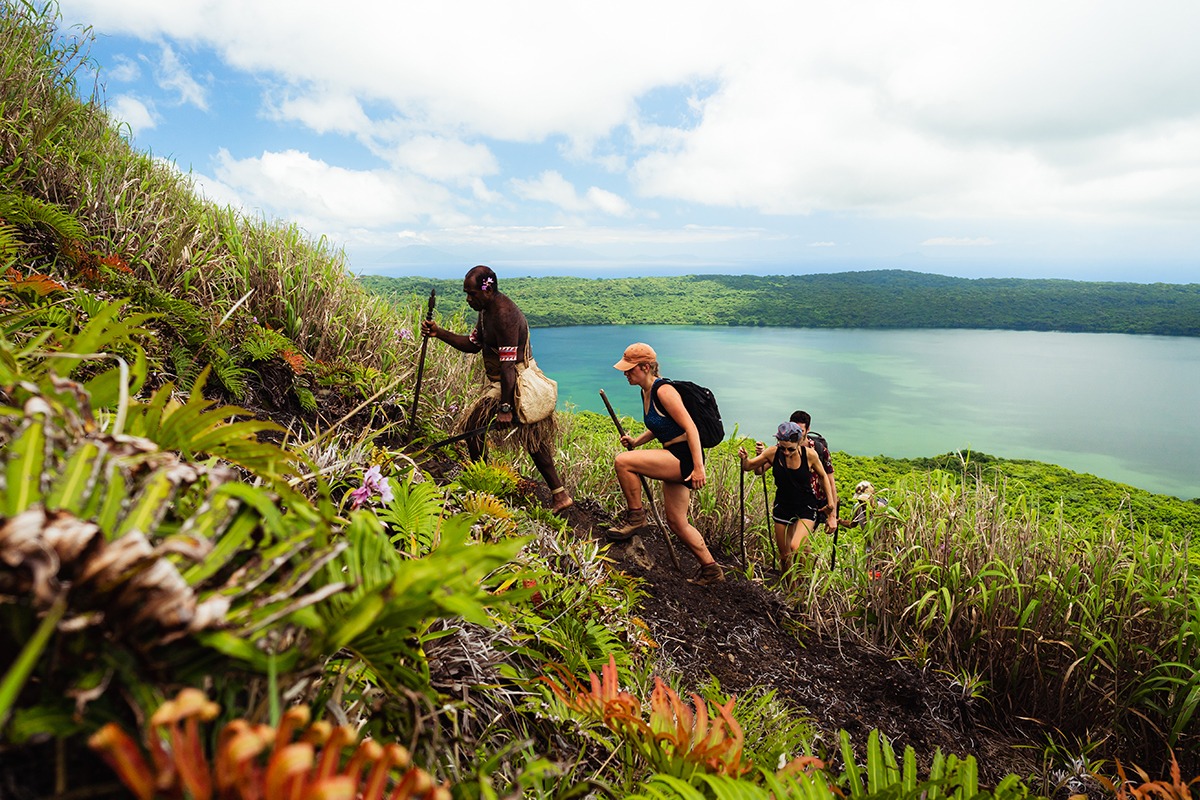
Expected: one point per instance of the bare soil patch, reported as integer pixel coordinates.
(747, 636)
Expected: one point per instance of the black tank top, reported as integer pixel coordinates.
(793, 486)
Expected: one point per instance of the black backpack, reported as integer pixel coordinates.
(822, 448)
(701, 406)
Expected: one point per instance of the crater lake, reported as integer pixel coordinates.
(1117, 406)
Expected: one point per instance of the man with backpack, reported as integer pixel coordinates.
(828, 512)
(679, 464)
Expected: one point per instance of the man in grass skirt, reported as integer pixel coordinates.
(502, 335)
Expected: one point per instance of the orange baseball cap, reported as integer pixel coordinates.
(636, 353)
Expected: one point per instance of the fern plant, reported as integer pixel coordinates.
(495, 479)
(133, 547)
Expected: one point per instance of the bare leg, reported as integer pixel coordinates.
(543, 459)
(676, 498)
(628, 477)
(475, 447)
(783, 539)
(800, 535)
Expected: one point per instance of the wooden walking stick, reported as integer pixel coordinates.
(742, 510)
(645, 488)
(770, 528)
(412, 415)
(833, 550)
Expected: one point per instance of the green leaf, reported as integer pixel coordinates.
(23, 471)
(72, 486)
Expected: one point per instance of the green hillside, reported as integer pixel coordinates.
(878, 299)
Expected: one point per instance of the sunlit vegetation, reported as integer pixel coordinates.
(877, 299)
(224, 570)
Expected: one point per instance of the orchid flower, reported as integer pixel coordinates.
(373, 484)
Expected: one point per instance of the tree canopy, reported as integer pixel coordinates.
(875, 299)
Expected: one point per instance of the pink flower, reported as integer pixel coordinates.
(373, 484)
(405, 334)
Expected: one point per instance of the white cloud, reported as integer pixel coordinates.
(123, 70)
(822, 244)
(551, 187)
(323, 113)
(612, 204)
(133, 112)
(328, 199)
(957, 241)
(445, 159)
(1081, 111)
(172, 74)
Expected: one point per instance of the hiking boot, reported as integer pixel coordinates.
(635, 525)
(709, 574)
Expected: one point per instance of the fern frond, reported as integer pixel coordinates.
(494, 479)
(197, 427)
(413, 515)
(24, 209)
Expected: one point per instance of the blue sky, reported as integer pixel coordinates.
(1025, 139)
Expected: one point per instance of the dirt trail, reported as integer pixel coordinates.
(745, 635)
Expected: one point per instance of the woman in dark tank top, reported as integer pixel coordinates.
(796, 505)
(679, 464)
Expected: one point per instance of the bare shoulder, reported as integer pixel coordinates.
(508, 317)
(505, 325)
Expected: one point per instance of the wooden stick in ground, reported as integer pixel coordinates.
(770, 523)
(742, 511)
(645, 488)
(833, 549)
(412, 415)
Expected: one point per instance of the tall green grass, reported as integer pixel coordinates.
(1090, 633)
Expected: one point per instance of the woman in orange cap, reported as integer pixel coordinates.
(679, 464)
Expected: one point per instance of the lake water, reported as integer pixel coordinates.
(1120, 407)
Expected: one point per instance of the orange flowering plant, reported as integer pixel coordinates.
(258, 762)
(675, 738)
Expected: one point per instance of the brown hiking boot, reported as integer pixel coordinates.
(635, 525)
(709, 574)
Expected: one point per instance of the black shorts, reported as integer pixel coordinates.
(787, 514)
(684, 453)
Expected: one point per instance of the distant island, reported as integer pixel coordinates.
(871, 299)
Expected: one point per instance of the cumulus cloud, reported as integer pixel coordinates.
(1082, 111)
(324, 113)
(326, 198)
(551, 187)
(132, 112)
(124, 70)
(172, 74)
(445, 159)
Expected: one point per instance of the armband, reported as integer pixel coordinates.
(508, 353)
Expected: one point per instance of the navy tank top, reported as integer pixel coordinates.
(661, 425)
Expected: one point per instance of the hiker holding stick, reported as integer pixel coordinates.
(679, 464)
(502, 335)
(796, 505)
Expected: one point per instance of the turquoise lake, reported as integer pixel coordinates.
(1117, 406)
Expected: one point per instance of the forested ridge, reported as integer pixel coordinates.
(875, 299)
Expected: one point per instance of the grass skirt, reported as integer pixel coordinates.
(513, 437)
